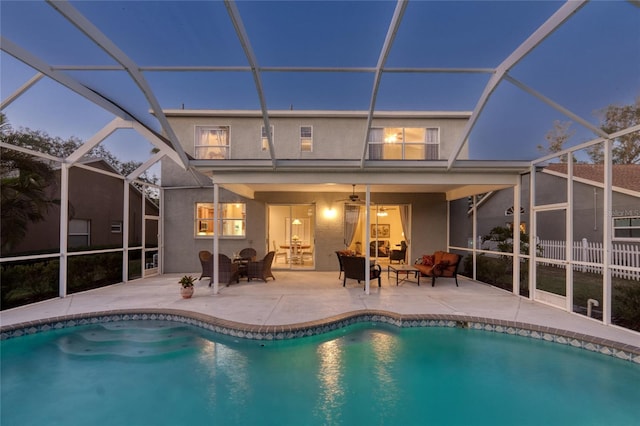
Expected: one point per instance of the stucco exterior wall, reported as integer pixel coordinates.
(337, 136)
(333, 137)
(181, 246)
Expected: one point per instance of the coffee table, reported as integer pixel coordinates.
(405, 270)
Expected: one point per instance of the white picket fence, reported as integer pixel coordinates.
(592, 252)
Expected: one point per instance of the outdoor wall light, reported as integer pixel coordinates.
(330, 213)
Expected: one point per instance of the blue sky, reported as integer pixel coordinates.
(590, 62)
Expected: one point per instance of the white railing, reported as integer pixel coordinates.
(590, 254)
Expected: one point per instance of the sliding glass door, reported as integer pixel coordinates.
(291, 234)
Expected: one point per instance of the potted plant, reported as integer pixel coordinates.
(186, 286)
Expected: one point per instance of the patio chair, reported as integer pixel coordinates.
(248, 254)
(399, 255)
(205, 258)
(440, 265)
(262, 268)
(354, 268)
(341, 253)
(227, 272)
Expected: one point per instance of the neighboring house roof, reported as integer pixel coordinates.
(102, 164)
(625, 176)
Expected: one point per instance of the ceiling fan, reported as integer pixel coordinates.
(353, 197)
(384, 211)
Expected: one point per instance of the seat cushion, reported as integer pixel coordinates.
(424, 269)
(427, 260)
(449, 263)
(437, 257)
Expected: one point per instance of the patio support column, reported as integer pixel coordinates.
(216, 234)
(569, 236)
(367, 238)
(516, 239)
(143, 264)
(64, 227)
(161, 230)
(125, 233)
(607, 233)
(474, 231)
(533, 247)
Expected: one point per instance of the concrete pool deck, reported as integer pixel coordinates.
(303, 297)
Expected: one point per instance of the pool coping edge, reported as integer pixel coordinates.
(292, 331)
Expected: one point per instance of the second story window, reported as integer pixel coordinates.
(404, 143)
(212, 143)
(306, 139)
(265, 139)
(432, 144)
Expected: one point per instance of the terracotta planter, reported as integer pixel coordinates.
(186, 292)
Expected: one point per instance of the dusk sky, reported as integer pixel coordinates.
(592, 61)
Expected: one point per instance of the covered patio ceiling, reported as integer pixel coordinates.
(454, 185)
(515, 66)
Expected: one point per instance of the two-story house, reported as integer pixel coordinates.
(300, 188)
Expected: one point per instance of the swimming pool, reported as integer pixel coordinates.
(167, 373)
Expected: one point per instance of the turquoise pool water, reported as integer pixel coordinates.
(163, 373)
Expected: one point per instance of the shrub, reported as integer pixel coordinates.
(24, 283)
(626, 306)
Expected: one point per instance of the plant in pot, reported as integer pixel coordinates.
(186, 286)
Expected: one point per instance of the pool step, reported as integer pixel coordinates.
(129, 340)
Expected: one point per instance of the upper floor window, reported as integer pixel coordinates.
(306, 138)
(212, 143)
(265, 139)
(404, 143)
(626, 227)
(231, 221)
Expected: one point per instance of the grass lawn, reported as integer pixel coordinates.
(625, 293)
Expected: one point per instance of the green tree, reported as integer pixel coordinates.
(502, 236)
(24, 180)
(626, 149)
(557, 137)
(39, 141)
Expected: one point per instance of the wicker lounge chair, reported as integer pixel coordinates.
(262, 268)
(228, 270)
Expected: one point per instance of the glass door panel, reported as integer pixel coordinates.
(291, 234)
